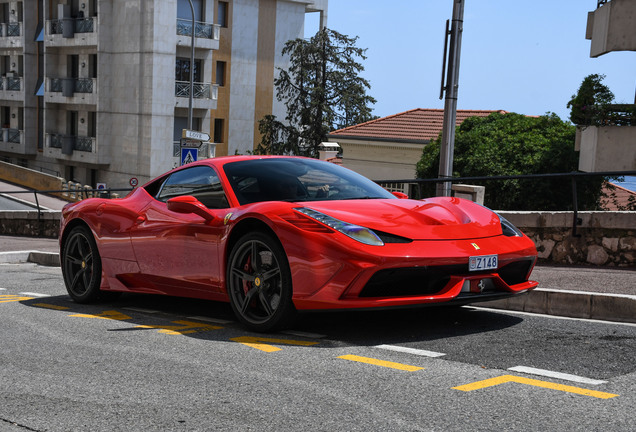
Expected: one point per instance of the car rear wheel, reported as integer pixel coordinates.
(259, 283)
(81, 265)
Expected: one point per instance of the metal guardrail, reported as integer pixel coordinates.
(102, 193)
(573, 176)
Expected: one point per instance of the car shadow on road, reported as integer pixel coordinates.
(180, 316)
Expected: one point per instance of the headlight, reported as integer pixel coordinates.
(508, 228)
(356, 232)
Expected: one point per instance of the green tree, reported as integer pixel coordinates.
(589, 104)
(514, 144)
(322, 91)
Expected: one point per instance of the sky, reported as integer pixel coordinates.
(528, 57)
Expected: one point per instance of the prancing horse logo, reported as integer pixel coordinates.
(475, 246)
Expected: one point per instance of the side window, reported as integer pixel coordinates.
(201, 182)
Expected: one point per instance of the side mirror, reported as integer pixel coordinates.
(400, 195)
(188, 204)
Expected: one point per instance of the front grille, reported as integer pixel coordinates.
(411, 281)
(516, 272)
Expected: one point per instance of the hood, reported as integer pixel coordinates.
(430, 219)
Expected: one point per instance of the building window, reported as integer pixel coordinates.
(221, 13)
(182, 71)
(218, 130)
(220, 73)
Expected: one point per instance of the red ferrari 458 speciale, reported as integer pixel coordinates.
(274, 235)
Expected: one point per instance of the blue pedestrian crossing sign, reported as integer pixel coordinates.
(189, 155)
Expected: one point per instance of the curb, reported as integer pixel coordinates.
(572, 304)
(50, 259)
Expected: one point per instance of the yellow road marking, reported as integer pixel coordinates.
(50, 306)
(111, 315)
(253, 342)
(382, 363)
(184, 327)
(533, 382)
(6, 298)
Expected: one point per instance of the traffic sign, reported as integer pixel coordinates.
(191, 143)
(196, 135)
(189, 155)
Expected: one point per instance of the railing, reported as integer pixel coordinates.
(80, 85)
(80, 25)
(73, 192)
(200, 90)
(600, 3)
(14, 83)
(13, 135)
(84, 25)
(56, 26)
(419, 185)
(79, 143)
(10, 135)
(13, 29)
(201, 29)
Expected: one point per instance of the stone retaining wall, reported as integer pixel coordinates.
(25, 223)
(605, 238)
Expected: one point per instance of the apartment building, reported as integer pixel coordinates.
(98, 91)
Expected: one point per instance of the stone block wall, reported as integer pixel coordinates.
(25, 223)
(602, 238)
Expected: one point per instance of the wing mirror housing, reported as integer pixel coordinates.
(400, 195)
(188, 204)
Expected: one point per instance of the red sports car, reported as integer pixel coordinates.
(273, 235)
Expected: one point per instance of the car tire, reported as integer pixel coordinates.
(259, 283)
(81, 265)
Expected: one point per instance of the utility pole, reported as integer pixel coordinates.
(450, 104)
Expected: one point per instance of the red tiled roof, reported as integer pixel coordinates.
(418, 125)
(617, 196)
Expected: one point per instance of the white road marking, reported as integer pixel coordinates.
(208, 319)
(30, 294)
(558, 375)
(411, 350)
(551, 316)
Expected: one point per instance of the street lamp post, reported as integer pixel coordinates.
(191, 68)
(450, 104)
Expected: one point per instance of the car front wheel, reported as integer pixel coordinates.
(259, 283)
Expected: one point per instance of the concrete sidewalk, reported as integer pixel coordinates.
(603, 293)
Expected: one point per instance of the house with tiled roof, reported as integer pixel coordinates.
(615, 197)
(389, 147)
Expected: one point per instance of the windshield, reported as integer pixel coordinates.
(298, 179)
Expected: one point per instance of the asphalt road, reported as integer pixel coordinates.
(155, 363)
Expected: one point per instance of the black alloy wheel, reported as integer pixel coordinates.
(81, 265)
(259, 283)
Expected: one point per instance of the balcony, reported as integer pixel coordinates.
(74, 148)
(72, 90)
(611, 27)
(11, 35)
(71, 32)
(204, 95)
(12, 140)
(206, 35)
(12, 88)
(608, 143)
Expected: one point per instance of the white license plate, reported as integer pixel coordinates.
(484, 262)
